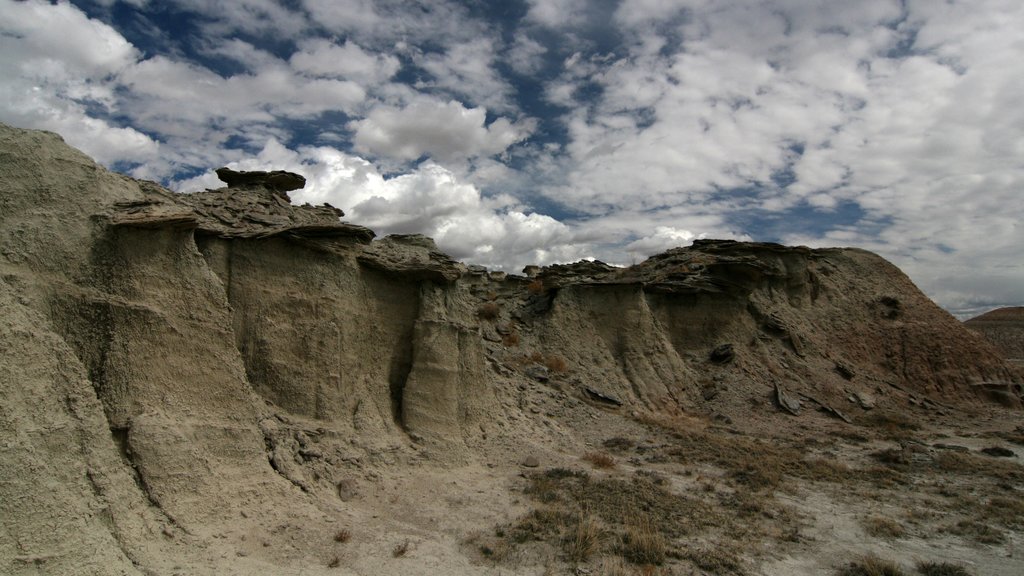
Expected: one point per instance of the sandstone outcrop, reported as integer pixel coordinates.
(186, 370)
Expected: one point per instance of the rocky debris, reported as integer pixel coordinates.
(844, 370)
(722, 354)
(411, 256)
(582, 272)
(864, 400)
(153, 214)
(538, 373)
(531, 461)
(278, 181)
(786, 401)
(259, 213)
(601, 397)
(998, 452)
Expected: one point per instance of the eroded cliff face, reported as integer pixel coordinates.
(175, 363)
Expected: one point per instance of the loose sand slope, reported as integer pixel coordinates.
(225, 383)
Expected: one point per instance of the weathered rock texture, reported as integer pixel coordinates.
(174, 364)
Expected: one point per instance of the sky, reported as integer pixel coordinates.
(539, 131)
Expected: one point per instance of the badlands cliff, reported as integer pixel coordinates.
(203, 383)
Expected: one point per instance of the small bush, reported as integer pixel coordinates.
(334, 563)
(343, 536)
(583, 539)
(872, 566)
(556, 364)
(510, 340)
(881, 527)
(536, 287)
(941, 569)
(600, 459)
(488, 311)
(977, 531)
(643, 543)
(400, 549)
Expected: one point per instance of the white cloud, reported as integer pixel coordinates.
(321, 57)
(663, 238)
(467, 69)
(557, 13)
(56, 62)
(525, 56)
(445, 131)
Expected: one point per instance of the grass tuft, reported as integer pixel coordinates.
(941, 569)
(872, 566)
(882, 527)
(583, 539)
(643, 543)
(600, 459)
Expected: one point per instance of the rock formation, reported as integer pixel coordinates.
(178, 366)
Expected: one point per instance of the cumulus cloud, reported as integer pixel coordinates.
(445, 131)
(321, 57)
(557, 13)
(57, 64)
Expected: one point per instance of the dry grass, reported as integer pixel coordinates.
(872, 566)
(342, 535)
(583, 539)
(941, 569)
(488, 311)
(510, 340)
(895, 424)
(600, 460)
(882, 527)
(643, 543)
(334, 563)
(716, 560)
(556, 364)
(980, 532)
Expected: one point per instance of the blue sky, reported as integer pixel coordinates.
(536, 131)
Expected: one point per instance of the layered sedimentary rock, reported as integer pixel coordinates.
(173, 363)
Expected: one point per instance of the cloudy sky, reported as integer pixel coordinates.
(538, 131)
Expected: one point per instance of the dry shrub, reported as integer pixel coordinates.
(342, 535)
(614, 566)
(882, 527)
(556, 364)
(716, 560)
(893, 425)
(619, 443)
(600, 459)
(583, 538)
(536, 287)
(510, 340)
(1007, 511)
(941, 569)
(488, 311)
(980, 532)
(401, 548)
(643, 543)
(872, 566)
(334, 563)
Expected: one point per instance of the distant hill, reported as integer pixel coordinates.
(1003, 327)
